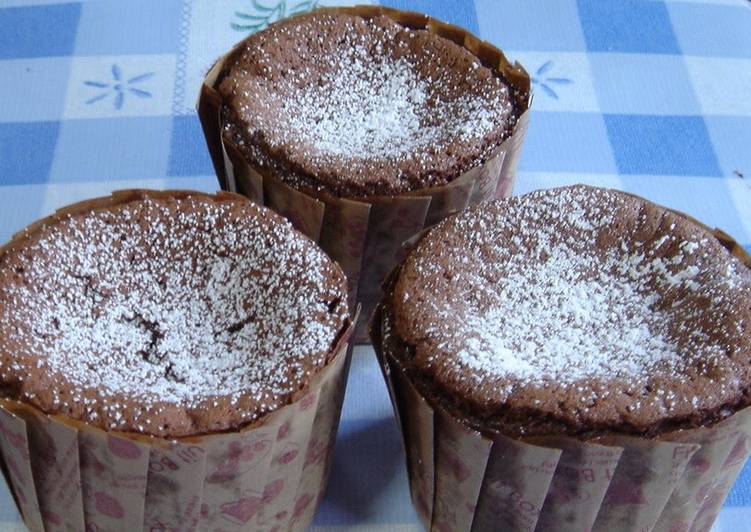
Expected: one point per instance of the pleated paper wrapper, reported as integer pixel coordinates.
(462, 480)
(65, 475)
(365, 235)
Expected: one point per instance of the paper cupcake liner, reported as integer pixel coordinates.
(66, 475)
(364, 235)
(461, 480)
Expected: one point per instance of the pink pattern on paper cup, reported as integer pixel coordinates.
(672, 483)
(108, 506)
(14, 438)
(713, 467)
(52, 518)
(15, 453)
(272, 490)
(175, 487)
(579, 485)
(237, 471)
(459, 473)
(289, 453)
(55, 467)
(738, 453)
(249, 480)
(287, 464)
(242, 510)
(283, 431)
(113, 487)
(308, 401)
(123, 448)
(301, 504)
(516, 483)
(624, 493)
(16, 473)
(316, 452)
(459, 470)
(241, 457)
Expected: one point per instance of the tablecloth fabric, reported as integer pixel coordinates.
(653, 97)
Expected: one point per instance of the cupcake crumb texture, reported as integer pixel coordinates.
(166, 317)
(357, 106)
(584, 304)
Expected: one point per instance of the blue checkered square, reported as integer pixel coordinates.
(530, 25)
(731, 136)
(203, 183)
(22, 204)
(42, 81)
(567, 142)
(669, 145)
(643, 84)
(531, 181)
(384, 498)
(106, 28)
(627, 26)
(715, 30)
(740, 495)
(721, 84)
(371, 400)
(459, 12)
(38, 31)
(106, 150)
(188, 154)
(26, 151)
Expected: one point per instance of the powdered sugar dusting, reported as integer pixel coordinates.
(379, 107)
(170, 304)
(359, 104)
(604, 324)
(568, 288)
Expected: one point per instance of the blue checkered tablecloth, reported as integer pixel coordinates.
(649, 96)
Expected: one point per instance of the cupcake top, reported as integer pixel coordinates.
(169, 314)
(359, 107)
(576, 311)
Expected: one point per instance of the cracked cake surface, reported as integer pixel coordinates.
(359, 107)
(169, 315)
(578, 311)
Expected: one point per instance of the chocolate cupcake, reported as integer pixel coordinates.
(359, 107)
(186, 343)
(603, 334)
(363, 125)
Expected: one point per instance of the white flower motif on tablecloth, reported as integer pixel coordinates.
(546, 83)
(118, 87)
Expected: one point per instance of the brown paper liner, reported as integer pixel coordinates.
(461, 480)
(269, 476)
(365, 235)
